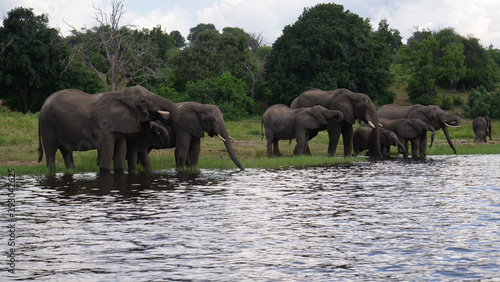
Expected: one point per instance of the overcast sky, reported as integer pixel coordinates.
(478, 18)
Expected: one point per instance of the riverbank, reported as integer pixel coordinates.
(19, 148)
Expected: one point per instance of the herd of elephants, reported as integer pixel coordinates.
(125, 125)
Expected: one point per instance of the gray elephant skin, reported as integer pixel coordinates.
(194, 120)
(432, 115)
(482, 129)
(71, 120)
(153, 135)
(352, 105)
(413, 131)
(363, 140)
(281, 122)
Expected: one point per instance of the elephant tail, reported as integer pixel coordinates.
(40, 148)
(262, 130)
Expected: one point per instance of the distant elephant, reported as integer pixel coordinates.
(352, 105)
(194, 120)
(281, 122)
(412, 130)
(482, 128)
(432, 115)
(71, 120)
(363, 140)
(152, 136)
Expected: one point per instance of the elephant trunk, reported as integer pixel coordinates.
(224, 136)
(448, 138)
(166, 105)
(401, 147)
(376, 135)
(433, 133)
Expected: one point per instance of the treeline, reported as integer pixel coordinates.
(327, 48)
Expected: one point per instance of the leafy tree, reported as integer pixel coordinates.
(454, 64)
(327, 48)
(391, 37)
(481, 103)
(33, 60)
(180, 42)
(194, 31)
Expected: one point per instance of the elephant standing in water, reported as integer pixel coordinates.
(363, 140)
(152, 136)
(482, 128)
(194, 120)
(352, 105)
(432, 115)
(71, 120)
(412, 130)
(281, 122)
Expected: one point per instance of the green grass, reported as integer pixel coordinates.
(19, 148)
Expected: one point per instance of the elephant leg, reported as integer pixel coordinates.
(144, 159)
(422, 151)
(131, 159)
(269, 140)
(301, 136)
(67, 156)
(119, 155)
(334, 130)
(347, 135)
(194, 152)
(276, 148)
(414, 147)
(50, 146)
(105, 152)
(182, 141)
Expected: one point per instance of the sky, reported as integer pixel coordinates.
(478, 18)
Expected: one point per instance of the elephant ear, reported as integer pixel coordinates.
(310, 119)
(425, 114)
(191, 119)
(117, 112)
(344, 104)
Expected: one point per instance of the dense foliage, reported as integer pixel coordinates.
(327, 48)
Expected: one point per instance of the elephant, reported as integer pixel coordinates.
(482, 128)
(282, 122)
(72, 120)
(412, 130)
(432, 115)
(194, 120)
(352, 105)
(363, 140)
(152, 136)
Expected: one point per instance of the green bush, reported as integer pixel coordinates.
(227, 92)
(481, 103)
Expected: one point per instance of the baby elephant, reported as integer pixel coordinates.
(363, 140)
(482, 129)
(152, 136)
(281, 122)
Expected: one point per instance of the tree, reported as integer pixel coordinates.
(113, 53)
(327, 48)
(194, 31)
(33, 59)
(180, 42)
(454, 64)
(255, 61)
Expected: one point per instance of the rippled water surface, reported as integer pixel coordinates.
(432, 220)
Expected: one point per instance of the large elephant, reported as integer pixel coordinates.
(71, 120)
(152, 136)
(281, 122)
(482, 128)
(432, 115)
(412, 130)
(352, 105)
(194, 120)
(363, 140)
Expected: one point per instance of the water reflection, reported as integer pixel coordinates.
(388, 220)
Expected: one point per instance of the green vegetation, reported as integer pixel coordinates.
(19, 148)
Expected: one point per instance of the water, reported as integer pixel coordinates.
(389, 220)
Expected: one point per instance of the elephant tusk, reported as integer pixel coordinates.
(454, 126)
(381, 125)
(180, 106)
(163, 112)
(371, 124)
(223, 140)
(232, 139)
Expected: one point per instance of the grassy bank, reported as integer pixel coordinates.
(19, 148)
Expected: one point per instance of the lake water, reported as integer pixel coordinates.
(437, 219)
